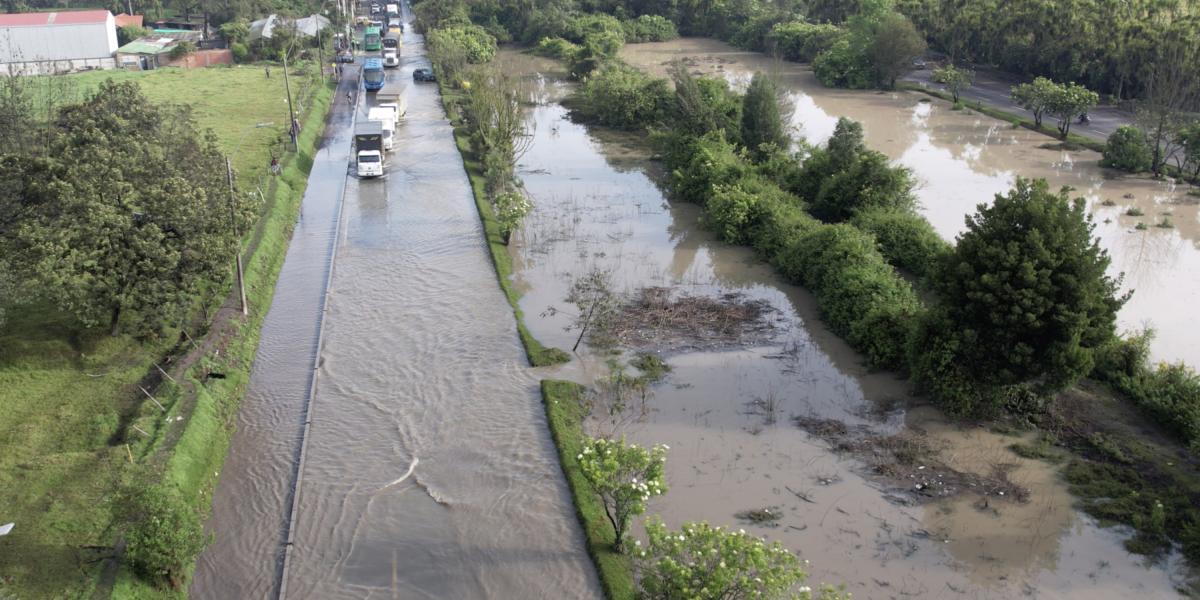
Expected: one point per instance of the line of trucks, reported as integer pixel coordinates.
(377, 134)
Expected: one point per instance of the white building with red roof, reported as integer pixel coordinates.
(57, 41)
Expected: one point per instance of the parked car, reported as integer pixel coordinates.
(345, 56)
(919, 64)
(424, 75)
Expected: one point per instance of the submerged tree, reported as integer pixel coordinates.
(762, 121)
(1024, 300)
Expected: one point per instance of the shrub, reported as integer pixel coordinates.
(802, 41)
(623, 97)
(596, 50)
(868, 181)
(472, 41)
(649, 28)
(511, 208)
(711, 563)
(734, 209)
(625, 477)
(240, 52)
(164, 534)
(905, 238)
(860, 295)
(842, 66)
(1127, 150)
(556, 47)
(580, 27)
(711, 162)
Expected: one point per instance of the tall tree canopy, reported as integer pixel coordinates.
(126, 214)
(1023, 300)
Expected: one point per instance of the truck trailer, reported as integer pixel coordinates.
(368, 149)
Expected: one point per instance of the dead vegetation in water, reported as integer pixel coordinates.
(660, 318)
(765, 517)
(910, 463)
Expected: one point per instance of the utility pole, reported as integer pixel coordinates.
(291, 111)
(237, 238)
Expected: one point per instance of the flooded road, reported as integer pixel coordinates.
(962, 159)
(252, 498)
(727, 414)
(429, 471)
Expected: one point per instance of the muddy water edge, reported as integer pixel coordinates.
(941, 526)
(962, 159)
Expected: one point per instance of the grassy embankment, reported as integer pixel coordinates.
(565, 414)
(538, 354)
(72, 399)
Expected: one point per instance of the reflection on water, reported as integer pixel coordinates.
(962, 159)
(592, 209)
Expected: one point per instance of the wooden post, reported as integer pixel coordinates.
(237, 251)
(152, 398)
(291, 111)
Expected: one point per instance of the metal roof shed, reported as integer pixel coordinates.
(51, 37)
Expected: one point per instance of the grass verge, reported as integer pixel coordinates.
(196, 459)
(538, 354)
(565, 413)
(991, 111)
(76, 425)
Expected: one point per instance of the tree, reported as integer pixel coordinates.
(164, 534)
(1035, 97)
(1127, 150)
(1068, 102)
(1024, 299)
(1188, 139)
(625, 477)
(1172, 91)
(761, 120)
(596, 302)
(894, 45)
(703, 562)
(127, 215)
(956, 80)
(129, 33)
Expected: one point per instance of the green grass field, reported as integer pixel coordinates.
(65, 391)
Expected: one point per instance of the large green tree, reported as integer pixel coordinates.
(1024, 300)
(127, 215)
(762, 122)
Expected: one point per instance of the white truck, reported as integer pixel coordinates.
(386, 117)
(393, 94)
(368, 149)
(391, 58)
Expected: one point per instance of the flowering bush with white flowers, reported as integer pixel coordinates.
(624, 476)
(711, 563)
(511, 208)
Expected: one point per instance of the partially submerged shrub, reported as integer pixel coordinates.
(1127, 150)
(712, 563)
(164, 535)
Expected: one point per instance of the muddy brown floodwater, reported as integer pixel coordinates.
(963, 158)
(727, 413)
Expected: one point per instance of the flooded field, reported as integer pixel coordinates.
(962, 159)
(963, 517)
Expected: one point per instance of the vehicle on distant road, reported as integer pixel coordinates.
(368, 149)
(424, 75)
(373, 74)
(392, 41)
(919, 64)
(393, 10)
(372, 39)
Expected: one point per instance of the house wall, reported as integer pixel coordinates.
(66, 44)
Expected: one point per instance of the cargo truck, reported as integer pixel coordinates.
(393, 93)
(368, 149)
(386, 117)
